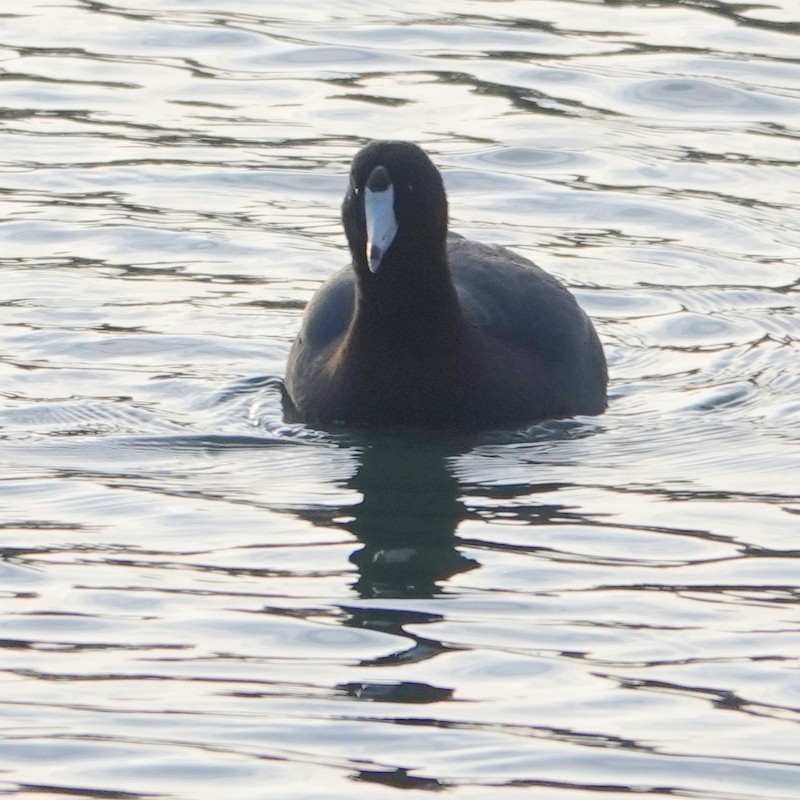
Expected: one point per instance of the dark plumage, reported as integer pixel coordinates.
(433, 330)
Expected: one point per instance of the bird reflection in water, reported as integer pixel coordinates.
(407, 518)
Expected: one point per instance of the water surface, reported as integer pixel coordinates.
(197, 597)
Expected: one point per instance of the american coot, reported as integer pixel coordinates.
(430, 329)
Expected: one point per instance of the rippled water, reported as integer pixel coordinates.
(197, 598)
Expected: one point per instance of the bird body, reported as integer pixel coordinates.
(432, 330)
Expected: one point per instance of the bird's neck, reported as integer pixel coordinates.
(415, 302)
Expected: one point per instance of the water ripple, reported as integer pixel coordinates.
(193, 589)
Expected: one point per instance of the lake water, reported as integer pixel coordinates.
(199, 600)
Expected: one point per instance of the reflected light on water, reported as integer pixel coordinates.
(195, 590)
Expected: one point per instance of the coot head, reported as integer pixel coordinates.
(395, 209)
